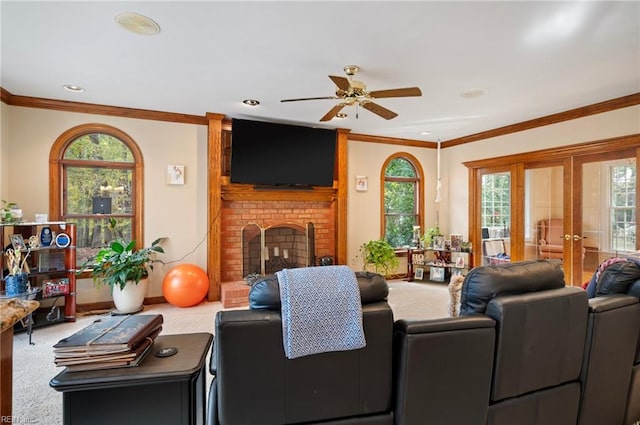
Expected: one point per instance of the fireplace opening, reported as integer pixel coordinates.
(281, 246)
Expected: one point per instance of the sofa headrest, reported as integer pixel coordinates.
(486, 282)
(265, 292)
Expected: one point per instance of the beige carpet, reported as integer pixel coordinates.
(35, 402)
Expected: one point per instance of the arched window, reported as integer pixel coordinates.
(401, 198)
(96, 181)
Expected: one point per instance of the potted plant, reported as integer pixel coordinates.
(381, 255)
(125, 269)
(428, 236)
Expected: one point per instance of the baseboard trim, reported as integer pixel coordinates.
(108, 305)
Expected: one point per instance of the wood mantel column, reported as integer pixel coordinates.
(341, 198)
(214, 177)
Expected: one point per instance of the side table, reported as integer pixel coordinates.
(162, 390)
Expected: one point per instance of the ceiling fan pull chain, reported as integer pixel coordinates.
(357, 104)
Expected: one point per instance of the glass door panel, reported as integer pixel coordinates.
(495, 218)
(544, 213)
(607, 217)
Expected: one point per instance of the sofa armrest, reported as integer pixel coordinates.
(610, 302)
(438, 363)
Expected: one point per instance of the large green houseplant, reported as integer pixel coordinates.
(125, 269)
(379, 254)
(118, 264)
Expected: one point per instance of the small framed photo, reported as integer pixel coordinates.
(456, 241)
(460, 262)
(438, 242)
(17, 241)
(436, 274)
(419, 274)
(362, 183)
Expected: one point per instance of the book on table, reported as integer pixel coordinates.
(110, 334)
(109, 342)
(132, 359)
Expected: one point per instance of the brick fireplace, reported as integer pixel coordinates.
(305, 229)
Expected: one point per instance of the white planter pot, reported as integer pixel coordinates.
(130, 299)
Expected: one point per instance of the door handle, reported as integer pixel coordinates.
(578, 237)
(567, 237)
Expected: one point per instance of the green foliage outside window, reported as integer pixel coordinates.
(98, 165)
(400, 202)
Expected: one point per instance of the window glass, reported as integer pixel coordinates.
(97, 175)
(623, 211)
(496, 203)
(401, 213)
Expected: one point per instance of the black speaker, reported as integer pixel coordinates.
(485, 233)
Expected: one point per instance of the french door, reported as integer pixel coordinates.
(577, 206)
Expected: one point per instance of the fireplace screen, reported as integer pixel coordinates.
(282, 246)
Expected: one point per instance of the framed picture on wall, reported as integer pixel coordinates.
(362, 183)
(419, 274)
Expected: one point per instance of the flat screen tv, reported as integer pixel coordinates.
(272, 154)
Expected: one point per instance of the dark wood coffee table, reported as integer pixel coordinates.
(162, 390)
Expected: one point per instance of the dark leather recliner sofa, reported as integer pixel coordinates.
(526, 350)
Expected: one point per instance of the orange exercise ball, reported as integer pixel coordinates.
(185, 285)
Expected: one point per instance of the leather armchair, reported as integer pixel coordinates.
(550, 243)
(255, 383)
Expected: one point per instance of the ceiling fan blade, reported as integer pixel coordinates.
(341, 82)
(379, 110)
(405, 92)
(308, 98)
(333, 112)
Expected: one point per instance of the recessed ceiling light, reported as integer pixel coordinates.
(72, 88)
(470, 94)
(341, 115)
(138, 24)
(425, 133)
(251, 102)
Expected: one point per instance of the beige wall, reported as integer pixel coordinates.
(3, 149)
(363, 208)
(179, 212)
(175, 212)
(455, 175)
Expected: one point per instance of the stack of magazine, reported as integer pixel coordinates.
(109, 342)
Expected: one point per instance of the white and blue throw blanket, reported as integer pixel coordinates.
(321, 310)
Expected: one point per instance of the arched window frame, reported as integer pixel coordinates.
(419, 191)
(56, 173)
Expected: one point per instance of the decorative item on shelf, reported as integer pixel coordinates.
(419, 274)
(437, 274)
(10, 212)
(438, 242)
(46, 236)
(17, 281)
(62, 240)
(34, 242)
(415, 239)
(466, 246)
(123, 268)
(456, 242)
(17, 241)
(379, 254)
(428, 236)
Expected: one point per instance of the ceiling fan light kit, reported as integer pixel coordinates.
(352, 92)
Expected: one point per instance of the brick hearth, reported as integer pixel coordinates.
(236, 214)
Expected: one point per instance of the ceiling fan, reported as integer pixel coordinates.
(352, 92)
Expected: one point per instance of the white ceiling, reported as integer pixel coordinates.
(533, 58)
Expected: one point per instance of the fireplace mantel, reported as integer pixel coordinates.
(245, 192)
